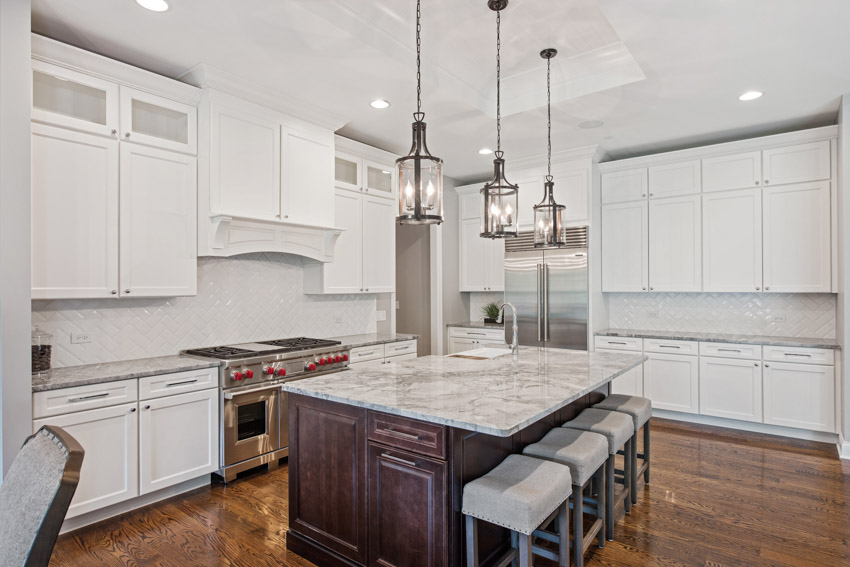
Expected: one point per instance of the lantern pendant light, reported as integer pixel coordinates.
(501, 198)
(548, 215)
(419, 174)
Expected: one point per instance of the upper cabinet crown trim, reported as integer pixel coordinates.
(762, 143)
(207, 76)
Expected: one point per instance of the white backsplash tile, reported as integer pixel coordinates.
(806, 314)
(477, 300)
(244, 298)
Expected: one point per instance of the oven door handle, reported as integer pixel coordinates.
(231, 395)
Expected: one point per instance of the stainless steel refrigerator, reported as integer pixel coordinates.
(548, 287)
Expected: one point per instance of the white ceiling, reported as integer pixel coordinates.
(661, 74)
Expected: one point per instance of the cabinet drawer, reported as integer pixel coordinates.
(730, 350)
(800, 355)
(473, 333)
(619, 343)
(413, 435)
(670, 347)
(79, 398)
(362, 354)
(152, 387)
(397, 349)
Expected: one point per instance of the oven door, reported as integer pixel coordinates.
(251, 423)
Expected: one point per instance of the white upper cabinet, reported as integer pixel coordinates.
(734, 171)
(673, 179)
(348, 170)
(675, 244)
(732, 250)
(74, 214)
(345, 273)
(795, 164)
(158, 212)
(245, 164)
(797, 243)
(74, 100)
(473, 261)
(378, 244)
(307, 163)
(572, 188)
(530, 193)
(625, 185)
(156, 121)
(379, 180)
(625, 246)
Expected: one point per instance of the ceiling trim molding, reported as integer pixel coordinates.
(364, 150)
(206, 76)
(557, 157)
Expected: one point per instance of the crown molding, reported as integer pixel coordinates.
(585, 152)
(364, 150)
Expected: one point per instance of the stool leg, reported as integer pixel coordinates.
(524, 551)
(633, 488)
(578, 525)
(646, 451)
(602, 504)
(627, 476)
(471, 542)
(609, 500)
(564, 533)
(515, 546)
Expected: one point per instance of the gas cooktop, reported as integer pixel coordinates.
(230, 352)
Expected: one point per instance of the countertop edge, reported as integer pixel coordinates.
(708, 338)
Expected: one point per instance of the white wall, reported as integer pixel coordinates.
(15, 97)
(240, 299)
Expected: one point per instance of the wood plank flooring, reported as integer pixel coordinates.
(718, 497)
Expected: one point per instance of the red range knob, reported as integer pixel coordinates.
(329, 360)
(249, 374)
(337, 358)
(312, 366)
(344, 357)
(281, 371)
(321, 362)
(237, 375)
(270, 371)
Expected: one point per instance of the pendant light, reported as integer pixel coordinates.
(419, 174)
(548, 215)
(501, 198)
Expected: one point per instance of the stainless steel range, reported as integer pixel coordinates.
(254, 416)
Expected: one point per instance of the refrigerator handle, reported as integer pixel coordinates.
(539, 274)
(546, 302)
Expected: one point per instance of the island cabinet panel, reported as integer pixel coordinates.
(327, 489)
(418, 436)
(408, 515)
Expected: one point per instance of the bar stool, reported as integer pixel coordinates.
(641, 411)
(586, 454)
(521, 494)
(618, 429)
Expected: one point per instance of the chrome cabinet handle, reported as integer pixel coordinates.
(181, 383)
(669, 346)
(766, 289)
(127, 135)
(757, 288)
(126, 291)
(766, 181)
(114, 131)
(147, 407)
(132, 410)
(405, 435)
(616, 343)
(399, 460)
(114, 292)
(767, 366)
(757, 182)
(644, 288)
(728, 350)
(755, 364)
(476, 334)
(85, 398)
(797, 354)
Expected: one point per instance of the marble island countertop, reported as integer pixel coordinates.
(496, 396)
(722, 338)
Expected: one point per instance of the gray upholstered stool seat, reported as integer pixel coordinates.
(586, 454)
(520, 494)
(641, 411)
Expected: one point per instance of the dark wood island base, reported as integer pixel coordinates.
(369, 488)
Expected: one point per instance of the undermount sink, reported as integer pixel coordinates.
(481, 353)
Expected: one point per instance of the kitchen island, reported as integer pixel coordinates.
(378, 457)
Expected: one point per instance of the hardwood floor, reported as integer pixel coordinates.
(718, 497)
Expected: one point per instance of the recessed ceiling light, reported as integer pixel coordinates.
(379, 103)
(485, 151)
(153, 5)
(590, 124)
(750, 95)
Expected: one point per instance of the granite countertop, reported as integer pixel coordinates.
(369, 339)
(498, 396)
(476, 325)
(69, 376)
(722, 338)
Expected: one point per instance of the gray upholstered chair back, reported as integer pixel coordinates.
(35, 496)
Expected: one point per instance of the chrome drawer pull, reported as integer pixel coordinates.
(477, 334)
(405, 435)
(92, 397)
(797, 354)
(181, 383)
(399, 460)
(616, 343)
(728, 350)
(366, 353)
(669, 346)
(405, 347)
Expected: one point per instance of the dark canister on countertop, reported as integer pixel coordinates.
(41, 348)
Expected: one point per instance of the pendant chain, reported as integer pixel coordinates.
(498, 84)
(549, 117)
(418, 60)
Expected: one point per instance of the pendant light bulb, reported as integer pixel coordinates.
(419, 175)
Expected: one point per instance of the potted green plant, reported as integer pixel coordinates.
(491, 311)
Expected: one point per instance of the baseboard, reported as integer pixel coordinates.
(95, 516)
(831, 438)
(843, 447)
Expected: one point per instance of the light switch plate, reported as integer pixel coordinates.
(777, 318)
(380, 315)
(653, 314)
(337, 318)
(80, 338)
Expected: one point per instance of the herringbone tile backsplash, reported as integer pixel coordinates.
(245, 298)
(806, 315)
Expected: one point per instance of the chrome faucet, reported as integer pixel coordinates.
(515, 343)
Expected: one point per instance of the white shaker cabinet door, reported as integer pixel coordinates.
(800, 395)
(110, 472)
(797, 240)
(796, 164)
(74, 214)
(307, 178)
(457, 344)
(158, 236)
(378, 244)
(627, 185)
(530, 193)
(675, 244)
(345, 273)
(156, 121)
(731, 229)
(473, 273)
(735, 171)
(672, 382)
(495, 264)
(625, 247)
(178, 439)
(572, 189)
(730, 388)
(673, 179)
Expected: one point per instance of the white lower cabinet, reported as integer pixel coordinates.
(671, 381)
(178, 439)
(378, 355)
(730, 388)
(109, 437)
(462, 339)
(800, 395)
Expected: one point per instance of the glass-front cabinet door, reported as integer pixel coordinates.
(155, 121)
(69, 99)
(379, 179)
(347, 172)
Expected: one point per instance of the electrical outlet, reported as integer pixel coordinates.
(80, 338)
(337, 318)
(380, 315)
(777, 318)
(653, 314)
